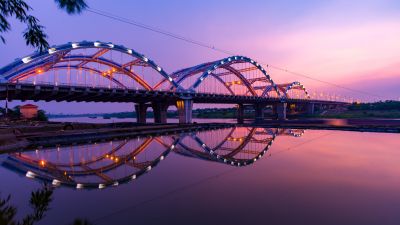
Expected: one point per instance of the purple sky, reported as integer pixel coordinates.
(355, 44)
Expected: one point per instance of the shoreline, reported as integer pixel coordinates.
(22, 136)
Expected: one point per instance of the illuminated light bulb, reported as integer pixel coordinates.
(116, 183)
(129, 51)
(97, 44)
(133, 177)
(42, 163)
(110, 45)
(170, 79)
(56, 182)
(101, 186)
(30, 174)
(113, 69)
(148, 168)
(159, 68)
(162, 157)
(79, 186)
(75, 45)
(145, 59)
(172, 146)
(39, 71)
(51, 50)
(26, 59)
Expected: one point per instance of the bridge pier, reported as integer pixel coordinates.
(185, 107)
(141, 112)
(259, 112)
(160, 112)
(281, 110)
(240, 113)
(310, 108)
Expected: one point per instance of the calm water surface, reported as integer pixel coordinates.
(226, 176)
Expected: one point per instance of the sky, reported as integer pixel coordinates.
(349, 43)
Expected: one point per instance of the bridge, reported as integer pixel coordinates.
(104, 72)
(109, 164)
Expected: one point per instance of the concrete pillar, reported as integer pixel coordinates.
(141, 112)
(281, 110)
(240, 113)
(310, 108)
(259, 112)
(185, 107)
(160, 112)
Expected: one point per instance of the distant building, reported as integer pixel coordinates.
(28, 111)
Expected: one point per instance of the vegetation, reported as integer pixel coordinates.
(15, 114)
(387, 109)
(39, 202)
(34, 34)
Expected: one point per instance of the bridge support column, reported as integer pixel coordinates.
(160, 112)
(281, 110)
(259, 112)
(141, 112)
(310, 108)
(185, 107)
(240, 113)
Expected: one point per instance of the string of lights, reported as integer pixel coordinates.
(212, 47)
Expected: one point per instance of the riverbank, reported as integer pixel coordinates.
(20, 136)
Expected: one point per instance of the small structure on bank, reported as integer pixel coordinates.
(28, 111)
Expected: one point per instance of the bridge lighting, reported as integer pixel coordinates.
(159, 69)
(56, 182)
(101, 186)
(110, 45)
(30, 174)
(114, 70)
(39, 71)
(172, 147)
(133, 177)
(229, 59)
(145, 59)
(116, 183)
(148, 168)
(79, 186)
(26, 59)
(75, 45)
(97, 44)
(51, 50)
(42, 163)
(170, 79)
(129, 51)
(161, 158)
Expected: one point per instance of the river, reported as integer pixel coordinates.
(237, 175)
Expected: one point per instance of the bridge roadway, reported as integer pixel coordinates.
(158, 100)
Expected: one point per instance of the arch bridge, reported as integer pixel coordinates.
(97, 71)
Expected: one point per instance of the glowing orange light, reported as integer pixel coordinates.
(39, 71)
(113, 69)
(42, 163)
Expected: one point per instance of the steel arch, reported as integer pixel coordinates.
(285, 88)
(26, 66)
(208, 69)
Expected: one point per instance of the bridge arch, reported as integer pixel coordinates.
(235, 75)
(294, 90)
(87, 56)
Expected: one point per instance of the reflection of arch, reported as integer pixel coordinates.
(255, 86)
(286, 88)
(236, 146)
(95, 171)
(260, 136)
(41, 62)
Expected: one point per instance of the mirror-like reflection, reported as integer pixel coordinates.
(109, 164)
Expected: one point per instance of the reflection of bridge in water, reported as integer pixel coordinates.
(112, 163)
(104, 72)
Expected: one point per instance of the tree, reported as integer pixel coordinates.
(34, 34)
